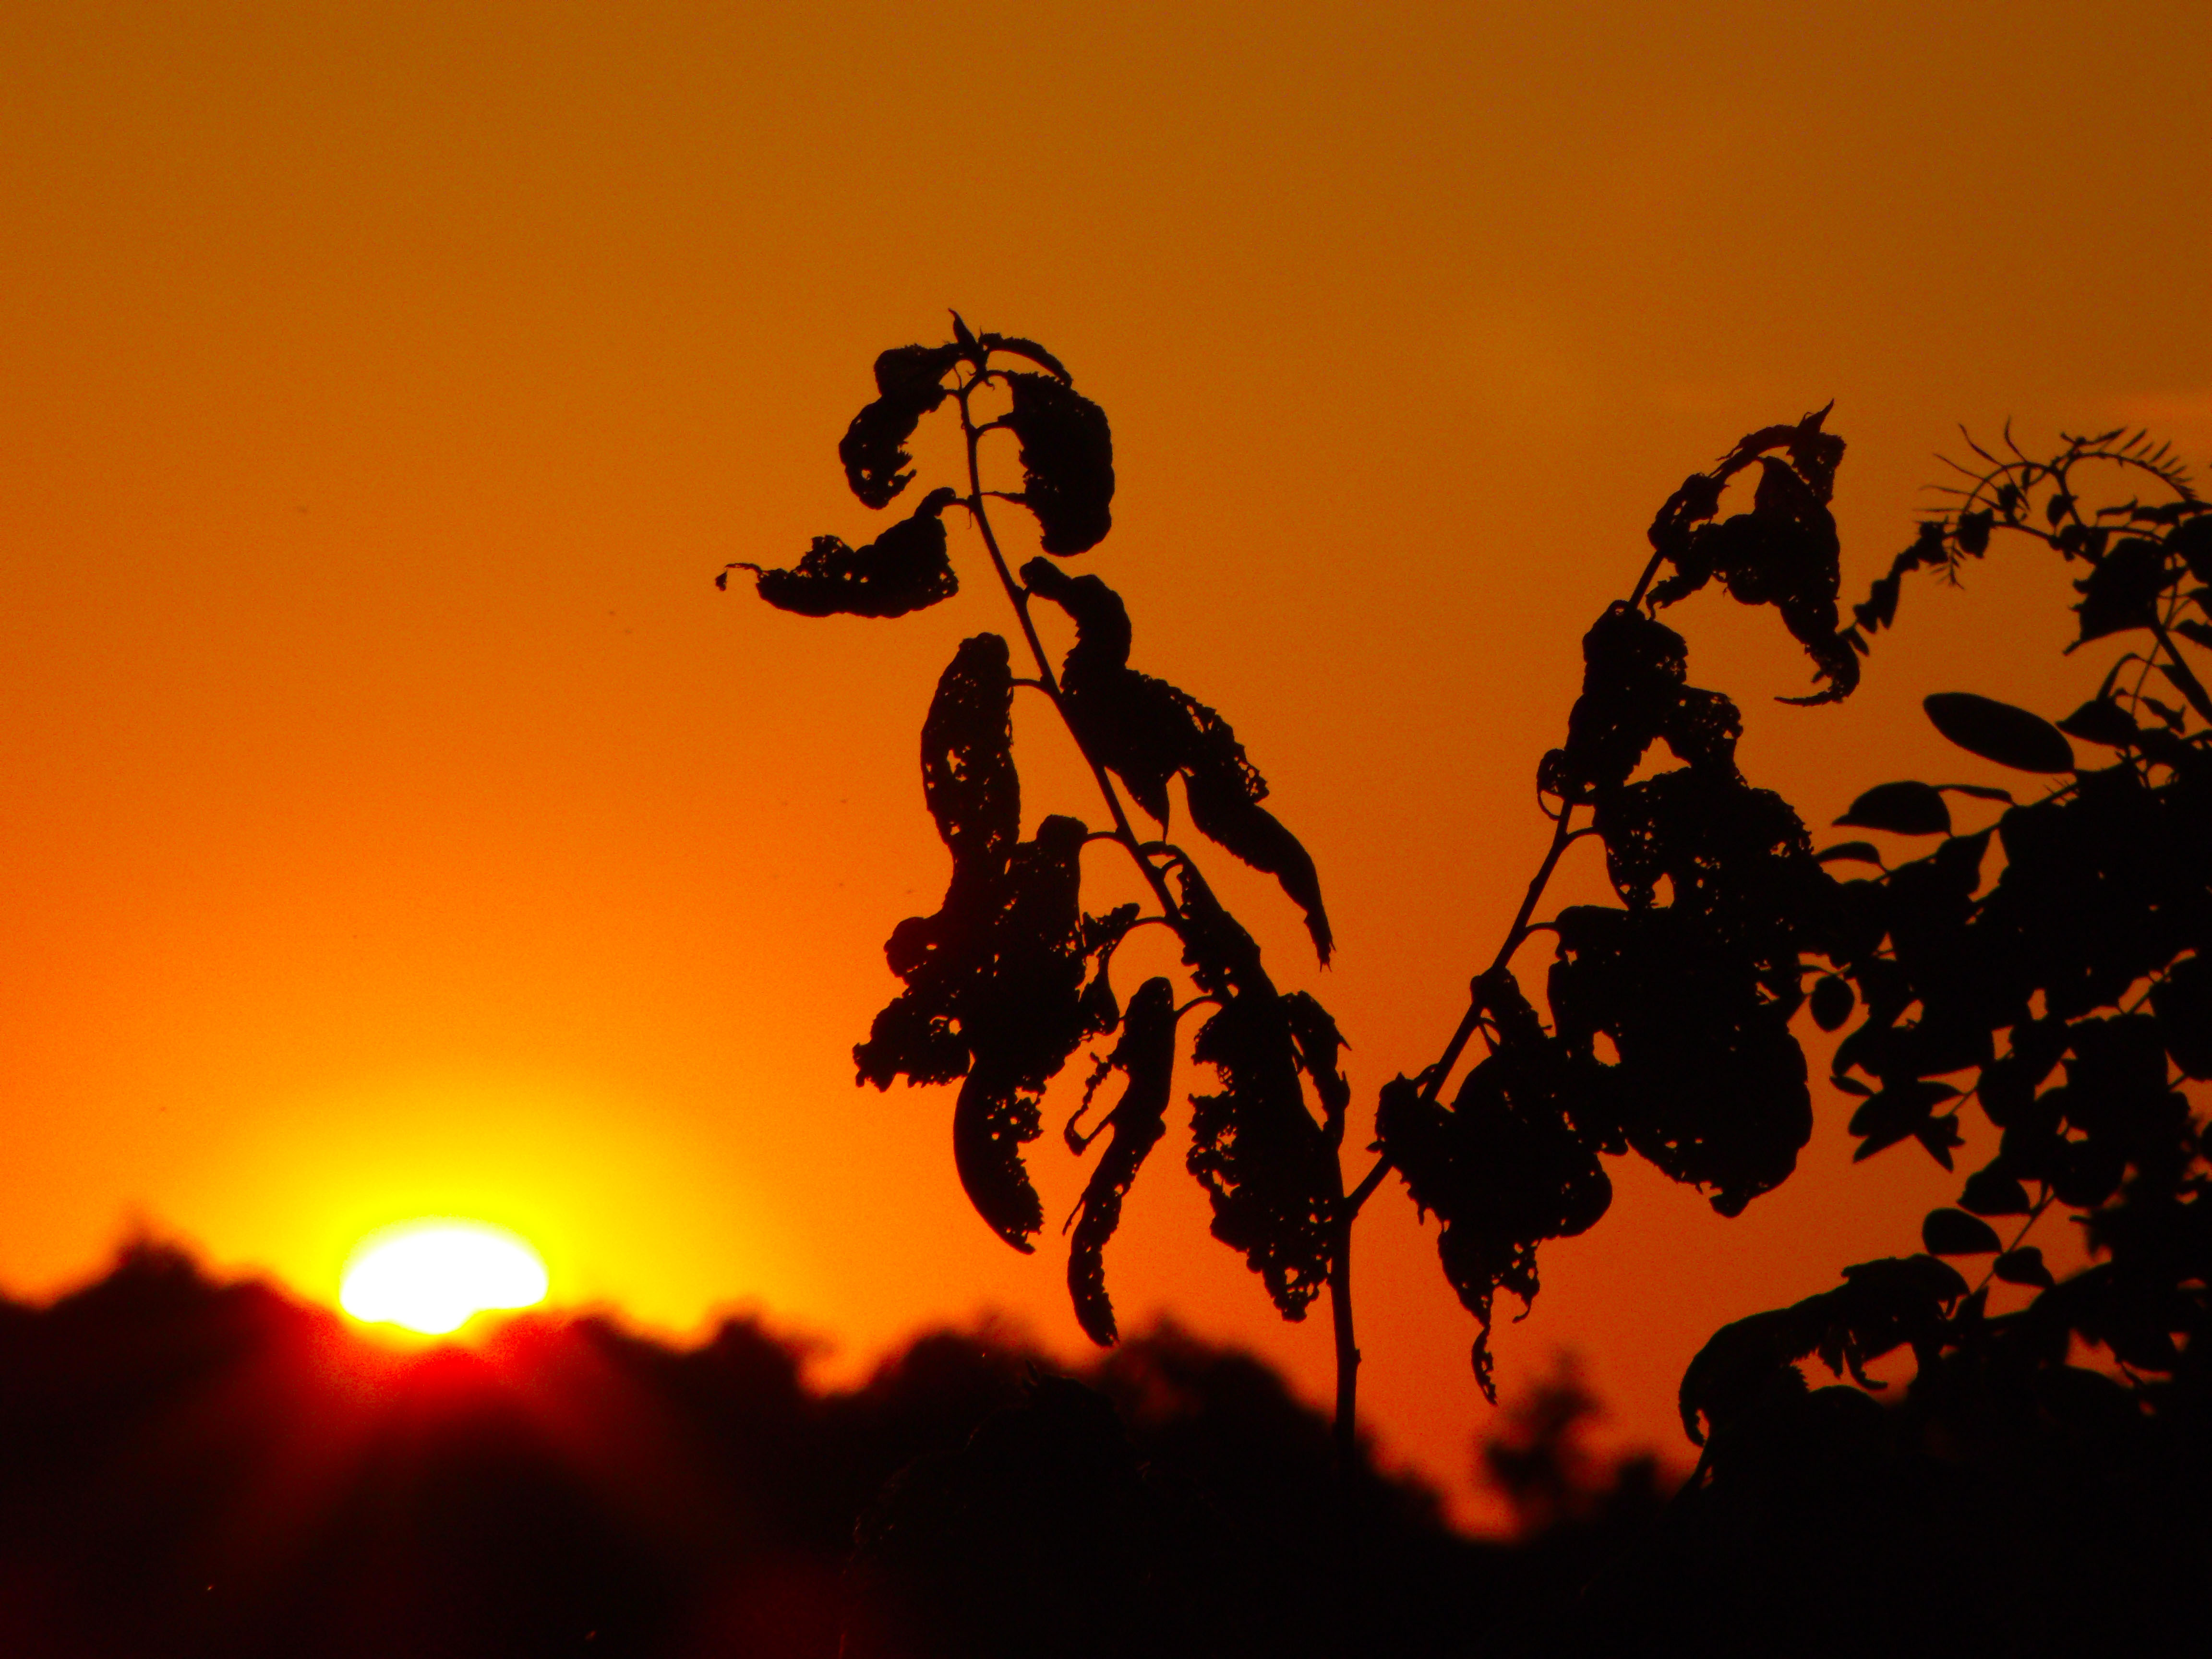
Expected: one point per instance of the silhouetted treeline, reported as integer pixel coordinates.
(194, 1469)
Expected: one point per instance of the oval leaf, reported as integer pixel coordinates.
(1992, 1192)
(1903, 809)
(1831, 1002)
(1953, 1232)
(1998, 732)
(2024, 1267)
(2102, 720)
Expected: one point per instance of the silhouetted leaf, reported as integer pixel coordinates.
(1992, 1192)
(905, 569)
(1067, 461)
(1903, 809)
(1998, 732)
(2024, 1267)
(1856, 851)
(993, 993)
(1895, 1112)
(1030, 349)
(1146, 731)
(2122, 592)
(2183, 1002)
(2192, 540)
(968, 774)
(993, 1119)
(908, 384)
(1831, 1002)
(1953, 1232)
(1709, 1086)
(1266, 1166)
(1784, 552)
(1145, 1058)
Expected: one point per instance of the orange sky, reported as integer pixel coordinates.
(394, 818)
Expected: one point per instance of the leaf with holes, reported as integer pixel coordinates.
(1067, 461)
(905, 569)
(1145, 1058)
(909, 384)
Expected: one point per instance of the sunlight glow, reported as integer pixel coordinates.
(432, 1276)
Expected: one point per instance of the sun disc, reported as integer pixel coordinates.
(432, 1276)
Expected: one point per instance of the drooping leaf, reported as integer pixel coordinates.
(905, 569)
(1146, 731)
(992, 1120)
(1067, 461)
(994, 993)
(908, 385)
(1999, 732)
(968, 774)
(1903, 809)
(1783, 552)
(1895, 1112)
(1145, 1058)
(1030, 349)
(1266, 1166)
(1953, 1232)
(2102, 720)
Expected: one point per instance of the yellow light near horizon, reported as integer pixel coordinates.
(432, 1276)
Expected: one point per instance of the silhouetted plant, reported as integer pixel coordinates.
(1669, 1029)
(1010, 976)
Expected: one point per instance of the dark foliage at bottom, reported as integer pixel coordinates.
(189, 1470)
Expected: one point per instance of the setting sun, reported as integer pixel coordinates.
(432, 1276)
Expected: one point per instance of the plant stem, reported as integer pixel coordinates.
(1347, 1348)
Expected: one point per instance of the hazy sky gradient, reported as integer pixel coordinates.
(393, 818)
